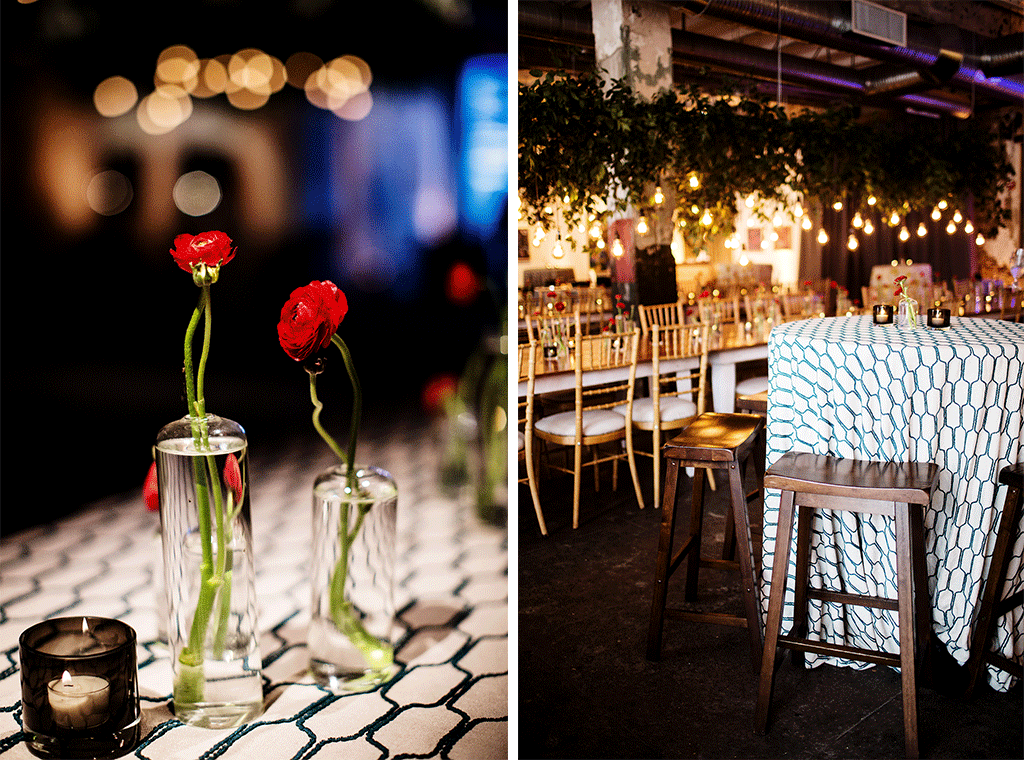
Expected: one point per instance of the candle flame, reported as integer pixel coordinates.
(85, 626)
(66, 679)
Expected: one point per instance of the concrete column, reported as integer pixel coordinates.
(633, 41)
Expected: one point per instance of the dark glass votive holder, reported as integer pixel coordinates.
(938, 318)
(79, 688)
(883, 314)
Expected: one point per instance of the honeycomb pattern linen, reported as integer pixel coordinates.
(847, 387)
(448, 700)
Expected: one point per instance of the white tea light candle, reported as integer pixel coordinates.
(79, 701)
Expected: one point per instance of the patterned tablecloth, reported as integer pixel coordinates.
(450, 699)
(849, 388)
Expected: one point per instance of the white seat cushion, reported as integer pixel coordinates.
(595, 422)
(522, 440)
(672, 408)
(751, 386)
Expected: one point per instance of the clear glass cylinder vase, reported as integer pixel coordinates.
(906, 313)
(212, 633)
(353, 611)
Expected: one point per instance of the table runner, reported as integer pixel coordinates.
(849, 388)
(450, 699)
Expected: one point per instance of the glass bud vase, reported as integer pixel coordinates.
(353, 611)
(202, 478)
(906, 313)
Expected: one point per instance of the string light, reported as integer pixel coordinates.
(706, 219)
(806, 223)
(968, 228)
(950, 228)
(957, 216)
(694, 182)
(852, 243)
(837, 206)
(557, 251)
(980, 240)
(798, 211)
(936, 214)
(872, 200)
(943, 205)
(822, 236)
(617, 249)
(749, 203)
(858, 221)
(538, 236)
(904, 233)
(659, 197)
(641, 226)
(894, 219)
(868, 227)
(921, 230)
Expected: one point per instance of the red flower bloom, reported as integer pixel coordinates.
(559, 306)
(901, 278)
(149, 491)
(233, 476)
(310, 317)
(211, 248)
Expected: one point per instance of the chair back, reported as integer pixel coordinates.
(546, 323)
(598, 352)
(660, 314)
(671, 377)
(528, 371)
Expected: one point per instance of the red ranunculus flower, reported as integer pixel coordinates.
(233, 476)
(211, 248)
(309, 319)
(149, 490)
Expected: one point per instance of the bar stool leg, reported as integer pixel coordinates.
(746, 559)
(696, 534)
(805, 526)
(661, 572)
(908, 630)
(776, 600)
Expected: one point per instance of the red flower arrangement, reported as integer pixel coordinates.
(309, 322)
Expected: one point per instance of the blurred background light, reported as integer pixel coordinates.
(109, 192)
(115, 96)
(196, 193)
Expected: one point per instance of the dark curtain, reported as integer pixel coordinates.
(949, 255)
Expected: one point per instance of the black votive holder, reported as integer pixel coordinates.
(938, 318)
(883, 314)
(93, 711)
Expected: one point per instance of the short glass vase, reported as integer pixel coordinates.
(212, 633)
(352, 613)
(906, 313)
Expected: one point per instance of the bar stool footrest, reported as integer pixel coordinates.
(839, 650)
(861, 600)
(716, 618)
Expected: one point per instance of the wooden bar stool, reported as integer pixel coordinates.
(718, 442)
(894, 489)
(991, 609)
(756, 403)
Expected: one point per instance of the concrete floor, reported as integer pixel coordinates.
(586, 689)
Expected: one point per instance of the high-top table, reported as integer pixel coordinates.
(450, 698)
(850, 388)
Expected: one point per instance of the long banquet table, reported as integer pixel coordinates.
(850, 388)
(450, 697)
(734, 345)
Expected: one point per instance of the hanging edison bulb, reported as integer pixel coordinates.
(852, 243)
(659, 197)
(894, 219)
(641, 226)
(968, 228)
(600, 243)
(950, 228)
(695, 209)
(858, 221)
(837, 206)
(558, 252)
(806, 223)
(943, 205)
(872, 200)
(548, 210)
(798, 211)
(921, 230)
(749, 202)
(868, 227)
(777, 220)
(694, 182)
(822, 236)
(904, 234)
(980, 240)
(538, 236)
(706, 219)
(936, 214)
(957, 216)
(617, 249)
(595, 231)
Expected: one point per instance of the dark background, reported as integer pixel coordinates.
(94, 315)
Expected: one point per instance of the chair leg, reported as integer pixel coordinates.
(908, 658)
(751, 597)
(804, 529)
(922, 603)
(531, 477)
(661, 571)
(776, 600)
(577, 466)
(656, 458)
(631, 456)
(696, 534)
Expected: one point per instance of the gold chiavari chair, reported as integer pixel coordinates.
(676, 395)
(528, 355)
(592, 421)
(662, 314)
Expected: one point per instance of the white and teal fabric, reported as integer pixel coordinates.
(847, 387)
(450, 698)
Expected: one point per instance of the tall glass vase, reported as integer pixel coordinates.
(202, 478)
(353, 610)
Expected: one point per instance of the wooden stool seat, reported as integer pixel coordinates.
(991, 607)
(710, 441)
(894, 489)
(756, 403)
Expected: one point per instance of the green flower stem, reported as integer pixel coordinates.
(341, 609)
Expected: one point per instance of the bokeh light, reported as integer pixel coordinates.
(114, 96)
(437, 390)
(196, 193)
(109, 193)
(164, 109)
(177, 64)
(461, 285)
(300, 66)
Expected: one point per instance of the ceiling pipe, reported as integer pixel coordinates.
(828, 23)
